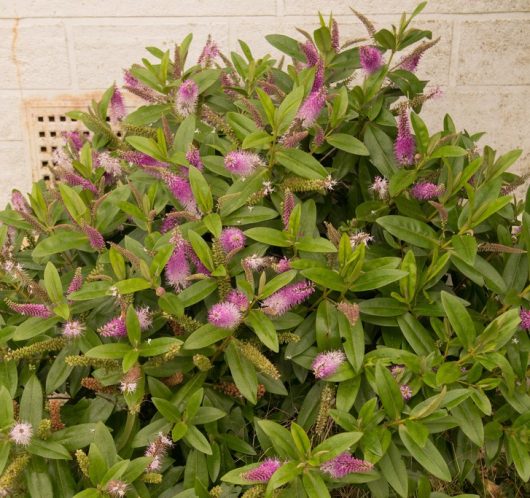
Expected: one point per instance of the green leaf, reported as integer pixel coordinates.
(202, 249)
(6, 408)
(300, 438)
(243, 373)
(114, 351)
(376, 279)
(401, 180)
(459, 318)
(381, 150)
(197, 292)
(48, 449)
(427, 456)
(132, 285)
(287, 45)
(388, 391)
(133, 326)
(314, 485)
(519, 453)
(410, 230)
(301, 164)
(159, 261)
(32, 327)
(159, 345)
(277, 283)
(201, 189)
(147, 146)
(60, 242)
(206, 336)
(73, 202)
(335, 445)
(167, 409)
(195, 438)
(53, 284)
(286, 113)
(256, 140)
(348, 143)
(465, 247)
(31, 402)
(280, 438)
(448, 151)
(263, 327)
(469, 420)
(394, 470)
(315, 244)
(326, 278)
(416, 335)
(268, 236)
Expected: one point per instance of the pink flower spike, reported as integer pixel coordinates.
(157, 450)
(19, 203)
(187, 96)
(76, 282)
(73, 329)
(264, 471)
(178, 268)
(371, 59)
(335, 36)
(524, 315)
(283, 265)
(194, 158)
(326, 364)
(311, 107)
(406, 392)
(242, 163)
(181, 190)
(239, 299)
(144, 317)
(95, 238)
(75, 139)
(286, 298)
(405, 145)
(74, 180)
(117, 107)
(311, 53)
(116, 488)
(37, 310)
(345, 464)
(410, 62)
(114, 328)
(380, 187)
(209, 53)
(224, 315)
(232, 239)
(21, 433)
(424, 191)
(110, 164)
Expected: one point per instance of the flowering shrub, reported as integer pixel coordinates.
(268, 280)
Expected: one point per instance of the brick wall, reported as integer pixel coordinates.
(50, 48)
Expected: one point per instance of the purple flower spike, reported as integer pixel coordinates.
(117, 107)
(114, 328)
(181, 189)
(424, 191)
(187, 96)
(335, 43)
(209, 53)
(371, 59)
(283, 265)
(311, 107)
(95, 239)
(232, 239)
(73, 329)
(410, 63)
(194, 158)
(282, 301)
(405, 145)
(74, 180)
(224, 315)
(263, 472)
(141, 159)
(76, 282)
(178, 268)
(345, 464)
(239, 299)
(524, 315)
(326, 364)
(242, 163)
(38, 310)
(310, 52)
(75, 138)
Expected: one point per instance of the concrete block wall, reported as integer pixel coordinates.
(50, 48)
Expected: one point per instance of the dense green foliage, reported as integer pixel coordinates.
(407, 259)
